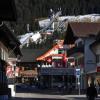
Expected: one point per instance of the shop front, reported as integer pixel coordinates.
(52, 77)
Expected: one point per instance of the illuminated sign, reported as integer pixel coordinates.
(56, 57)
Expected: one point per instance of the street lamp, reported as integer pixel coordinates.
(78, 78)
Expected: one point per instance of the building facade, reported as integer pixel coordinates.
(88, 32)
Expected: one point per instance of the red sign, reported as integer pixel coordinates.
(98, 68)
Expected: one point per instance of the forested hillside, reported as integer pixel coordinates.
(28, 11)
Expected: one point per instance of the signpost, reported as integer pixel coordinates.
(78, 77)
(77, 72)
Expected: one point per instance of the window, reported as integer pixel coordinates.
(71, 59)
(98, 58)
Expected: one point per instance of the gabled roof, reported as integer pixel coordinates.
(49, 52)
(9, 39)
(80, 29)
(5, 31)
(30, 55)
(7, 10)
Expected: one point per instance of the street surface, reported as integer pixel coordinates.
(33, 96)
(32, 93)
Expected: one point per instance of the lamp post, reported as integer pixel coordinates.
(78, 79)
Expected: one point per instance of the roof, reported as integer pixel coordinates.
(9, 39)
(8, 10)
(30, 55)
(80, 29)
(49, 52)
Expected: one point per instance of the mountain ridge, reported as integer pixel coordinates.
(29, 11)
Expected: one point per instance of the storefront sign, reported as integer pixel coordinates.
(98, 68)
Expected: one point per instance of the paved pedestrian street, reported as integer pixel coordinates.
(35, 96)
(33, 93)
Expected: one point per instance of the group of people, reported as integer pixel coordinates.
(91, 92)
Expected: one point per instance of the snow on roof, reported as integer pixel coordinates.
(24, 39)
(79, 18)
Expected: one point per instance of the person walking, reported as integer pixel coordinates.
(91, 92)
(98, 87)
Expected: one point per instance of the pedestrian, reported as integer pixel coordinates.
(98, 86)
(91, 92)
(59, 87)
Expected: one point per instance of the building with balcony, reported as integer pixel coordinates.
(86, 59)
(54, 70)
(95, 46)
(9, 45)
